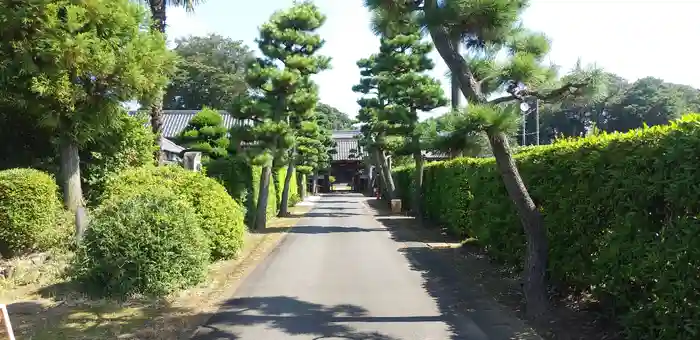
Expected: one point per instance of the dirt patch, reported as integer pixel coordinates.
(571, 318)
(44, 306)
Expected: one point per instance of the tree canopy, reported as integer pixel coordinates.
(71, 65)
(333, 119)
(211, 72)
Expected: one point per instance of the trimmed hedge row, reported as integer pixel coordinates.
(622, 212)
(222, 217)
(31, 214)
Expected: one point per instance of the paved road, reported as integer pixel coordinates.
(337, 275)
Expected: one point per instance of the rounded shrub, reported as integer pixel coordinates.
(222, 217)
(149, 243)
(31, 214)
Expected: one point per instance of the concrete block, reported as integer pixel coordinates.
(396, 206)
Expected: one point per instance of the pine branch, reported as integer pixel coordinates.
(544, 95)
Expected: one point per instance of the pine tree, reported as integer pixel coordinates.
(281, 89)
(375, 131)
(401, 63)
(486, 28)
(206, 133)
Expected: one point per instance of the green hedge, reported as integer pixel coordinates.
(149, 242)
(622, 212)
(31, 213)
(223, 218)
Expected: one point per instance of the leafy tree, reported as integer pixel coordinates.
(211, 73)
(280, 94)
(486, 28)
(128, 143)
(619, 106)
(401, 63)
(70, 64)
(207, 134)
(158, 18)
(337, 120)
(648, 101)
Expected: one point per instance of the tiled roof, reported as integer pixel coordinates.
(174, 121)
(345, 142)
(169, 146)
(338, 134)
(343, 148)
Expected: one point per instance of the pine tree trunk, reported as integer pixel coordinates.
(263, 195)
(301, 186)
(418, 179)
(314, 184)
(454, 82)
(72, 189)
(390, 186)
(70, 171)
(535, 270)
(284, 209)
(157, 128)
(158, 16)
(382, 175)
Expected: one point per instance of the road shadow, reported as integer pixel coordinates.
(336, 201)
(293, 317)
(338, 208)
(464, 280)
(329, 214)
(384, 216)
(341, 194)
(331, 229)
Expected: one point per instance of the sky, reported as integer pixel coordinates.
(632, 38)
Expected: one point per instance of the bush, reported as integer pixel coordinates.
(147, 242)
(622, 212)
(222, 217)
(31, 214)
(128, 143)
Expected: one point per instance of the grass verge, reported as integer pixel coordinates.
(44, 306)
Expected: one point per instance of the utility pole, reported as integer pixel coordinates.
(537, 120)
(524, 108)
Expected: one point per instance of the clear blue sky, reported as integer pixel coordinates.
(633, 38)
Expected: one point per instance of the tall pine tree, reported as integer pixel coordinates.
(401, 63)
(486, 28)
(281, 89)
(375, 130)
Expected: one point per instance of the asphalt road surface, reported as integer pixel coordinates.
(337, 275)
